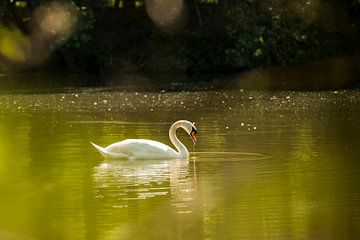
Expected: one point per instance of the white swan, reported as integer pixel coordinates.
(149, 149)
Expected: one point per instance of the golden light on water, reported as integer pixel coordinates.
(167, 14)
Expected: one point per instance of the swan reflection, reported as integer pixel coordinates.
(118, 182)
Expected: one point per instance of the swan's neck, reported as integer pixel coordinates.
(182, 150)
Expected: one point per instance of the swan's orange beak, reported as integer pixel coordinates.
(193, 136)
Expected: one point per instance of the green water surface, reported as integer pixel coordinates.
(268, 165)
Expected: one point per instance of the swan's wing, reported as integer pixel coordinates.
(142, 149)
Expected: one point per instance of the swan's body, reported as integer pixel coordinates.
(149, 149)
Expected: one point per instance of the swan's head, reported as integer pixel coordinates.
(190, 129)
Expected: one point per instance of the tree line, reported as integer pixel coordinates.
(205, 36)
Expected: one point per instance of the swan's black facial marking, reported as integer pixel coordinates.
(193, 130)
(193, 134)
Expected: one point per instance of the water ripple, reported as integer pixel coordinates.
(229, 156)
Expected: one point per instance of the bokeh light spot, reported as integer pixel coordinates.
(56, 19)
(166, 13)
(14, 45)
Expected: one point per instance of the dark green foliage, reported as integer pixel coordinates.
(204, 51)
(293, 42)
(257, 37)
(353, 8)
(109, 38)
(246, 32)
(224, 36)
(83, 33)
(79, 43)
(260, 38)
(2, 8)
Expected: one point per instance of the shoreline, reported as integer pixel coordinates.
(328, 74)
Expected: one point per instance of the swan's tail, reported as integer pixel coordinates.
(101, 150)
(108, 154)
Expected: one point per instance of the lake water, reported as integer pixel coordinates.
(268, 165)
